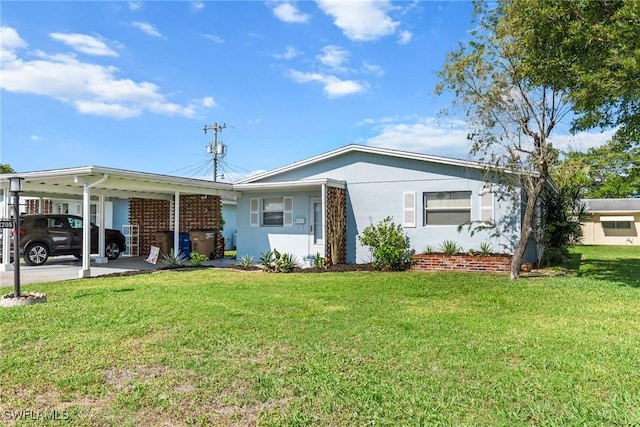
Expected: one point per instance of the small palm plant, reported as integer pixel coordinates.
(174, 259)
(485, 249)
(246, 261)
(449, 247)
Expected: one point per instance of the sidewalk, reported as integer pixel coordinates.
(68, 267)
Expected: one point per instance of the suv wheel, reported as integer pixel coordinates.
(112, 250)
(36, 254)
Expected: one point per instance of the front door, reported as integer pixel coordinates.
(316, 231)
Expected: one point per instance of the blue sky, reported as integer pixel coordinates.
(131, 85)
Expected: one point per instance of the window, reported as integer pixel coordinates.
(447, 208)
(272, 212)
(617, 225)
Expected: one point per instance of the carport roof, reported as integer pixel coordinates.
(114, 183)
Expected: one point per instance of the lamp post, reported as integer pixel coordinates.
(15, 187)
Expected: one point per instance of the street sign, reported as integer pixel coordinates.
(6, 223)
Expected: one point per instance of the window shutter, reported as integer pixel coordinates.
(409, 209)
(287, 212)
(486, 206)
(254, 212)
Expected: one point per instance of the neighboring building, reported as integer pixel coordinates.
(320, 205)
(611, 222)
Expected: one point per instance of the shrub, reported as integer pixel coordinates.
(197, 258)
(449, 247)
(388, 244)
(428, 250)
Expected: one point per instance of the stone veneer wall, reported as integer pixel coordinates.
(462, 262)
(196, 213)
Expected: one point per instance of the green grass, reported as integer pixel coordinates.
(219, 347)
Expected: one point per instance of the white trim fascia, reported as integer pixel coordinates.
(369, 150)
(69, 181)
(310, 183)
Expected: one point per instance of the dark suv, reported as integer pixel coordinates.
(45, 235)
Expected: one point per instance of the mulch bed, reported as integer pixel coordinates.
(329, 269)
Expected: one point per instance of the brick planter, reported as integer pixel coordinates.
(462, 262)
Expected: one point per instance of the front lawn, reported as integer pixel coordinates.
(221, 347)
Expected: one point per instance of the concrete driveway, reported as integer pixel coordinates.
(68, 267)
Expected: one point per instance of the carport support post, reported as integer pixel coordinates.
(176, 223)
(86, 233)
(86, 224)
(16, 244)
(102, 259)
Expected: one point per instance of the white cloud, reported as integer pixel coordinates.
(287, 12)
(209, 102)
(214, 38)
(197, 5)
(333, 86)
(135, 5)
(449, 137)
(90, 88)
(84, 43)
(363, 20)
(10, 40)
(405, 37)
(420, 135)
(35, 138)
(147, 28)
(334, 57)
(581, 141)
(289, 53)
(376, 70)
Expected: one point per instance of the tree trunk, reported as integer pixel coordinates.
(526, 228)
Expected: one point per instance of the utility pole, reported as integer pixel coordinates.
(214, 148)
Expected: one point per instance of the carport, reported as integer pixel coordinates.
(95, 182)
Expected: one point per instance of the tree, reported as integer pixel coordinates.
(589, 49)
(609, 171)
(6, 168)
(510, 117)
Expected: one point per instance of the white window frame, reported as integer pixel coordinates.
(616, 225)
(256, 211)
(426, 209)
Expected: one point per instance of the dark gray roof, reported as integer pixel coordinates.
(612, 205)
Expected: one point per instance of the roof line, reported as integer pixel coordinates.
(364, 149)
